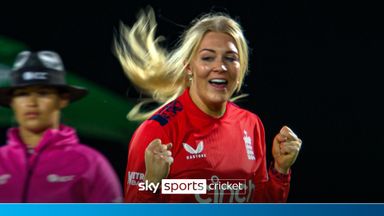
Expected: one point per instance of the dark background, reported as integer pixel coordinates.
(314, 66)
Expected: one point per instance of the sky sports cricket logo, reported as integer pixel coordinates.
(196, 186)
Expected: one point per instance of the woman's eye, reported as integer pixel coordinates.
(20, 94)
(43, 93)
(207, 58)
(231, 58)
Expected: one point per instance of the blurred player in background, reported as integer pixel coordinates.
(43, 160)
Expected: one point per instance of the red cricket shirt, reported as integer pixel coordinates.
(216, 149)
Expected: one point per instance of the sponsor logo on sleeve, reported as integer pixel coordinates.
(167, 112)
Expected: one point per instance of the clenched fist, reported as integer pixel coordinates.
(285, 148)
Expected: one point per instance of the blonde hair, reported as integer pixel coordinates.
(161, 74)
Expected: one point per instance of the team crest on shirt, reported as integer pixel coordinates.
(195, 152)
(248, 146)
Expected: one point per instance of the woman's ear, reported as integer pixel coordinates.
(64, 100)
(11, 104)
(189, 73)
(188, 68)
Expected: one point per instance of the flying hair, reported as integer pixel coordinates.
(159, 73)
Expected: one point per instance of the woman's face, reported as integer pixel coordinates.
(215, 69)
(37, 108)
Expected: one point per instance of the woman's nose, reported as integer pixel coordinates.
(220, 66)
(31, 100)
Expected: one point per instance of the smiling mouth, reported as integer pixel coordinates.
(31, 114)
(218, 83)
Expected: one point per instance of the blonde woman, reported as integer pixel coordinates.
(198, 133)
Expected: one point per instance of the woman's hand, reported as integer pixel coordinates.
(158, 160)
(285, 148)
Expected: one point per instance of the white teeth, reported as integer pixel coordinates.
(218, 81)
